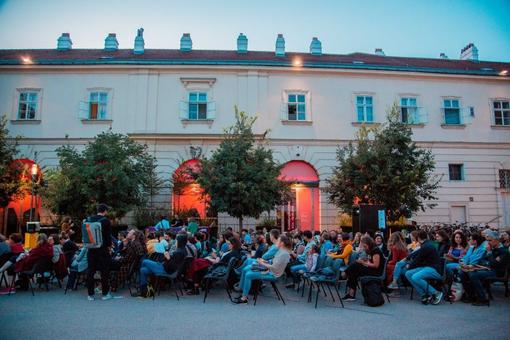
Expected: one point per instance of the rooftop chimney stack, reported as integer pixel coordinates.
(64, 42)
(242, 43)
(315, 46)
(379, 51)
(139, 43)
(186, 43)
(280, 46)
(111, 43)
(443, 56)
(470, 52)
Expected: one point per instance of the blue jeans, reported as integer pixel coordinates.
(400, 268)
(250, 276)
(150, 267)
(450, 267)
(418, 278)
(246, 268)
(476, 279)
(296, 268)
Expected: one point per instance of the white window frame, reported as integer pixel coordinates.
(493, 111)
(101, 105)
(285, 106)
(38, 104)
(198, 103)
(416, 111)
(197, 85)
(364, 105)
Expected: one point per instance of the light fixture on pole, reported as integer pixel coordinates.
(33, 171)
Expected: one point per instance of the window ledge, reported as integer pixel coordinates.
(96, 121)
(296, 122)
(453, 126)
(365, 123)
(500, 127)
(197, 121)
(25, 121)
(415, 125)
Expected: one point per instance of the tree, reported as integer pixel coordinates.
(11, 184)
(384, 167)
(113, 169)
(241, 178)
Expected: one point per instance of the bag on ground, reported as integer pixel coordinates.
(372, 293)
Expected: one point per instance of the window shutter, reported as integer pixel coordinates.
(211, 110)
(83, 110)
(284, 111)
(468, 114)
(183, 110)
(422, 116)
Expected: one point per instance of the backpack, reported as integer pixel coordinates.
(92, 234)
(372, 293)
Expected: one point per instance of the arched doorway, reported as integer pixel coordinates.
(302, 211)
(20, 209)
(187, 194)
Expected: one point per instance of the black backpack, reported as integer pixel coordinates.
(372, 293)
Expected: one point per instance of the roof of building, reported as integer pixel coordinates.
(251, 58)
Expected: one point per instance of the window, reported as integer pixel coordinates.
(296, 106)
(504, 179)
(409, 110)
(365, 109)
(28, 105)
(98, 104)
(197, 106)
(451, 108)
(501, 111)
(456, 172)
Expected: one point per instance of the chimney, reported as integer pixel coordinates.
(315, 46)
(470, 52)
(379, 51)
(443, 56)
(111, 43)
(280, 46)
(242, 43)
(186, 42)
(64, 42)
(139, 42)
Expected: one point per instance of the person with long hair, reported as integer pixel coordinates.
(398, 252)
(475, 253)
(43, 250)
(443, 242)
(169, 266)
(372, 264)
(458, 247)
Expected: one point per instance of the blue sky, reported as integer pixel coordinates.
(402, 28)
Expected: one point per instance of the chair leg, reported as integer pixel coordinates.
(330, 293)
(506, 288)
(156, 288)
(317, 295)
(207, 285)
(310, 292)
(339, 297)
(303, 288)
(13, 283)
(278, 293)
(174, 284)
(30, 284)
(324, 290)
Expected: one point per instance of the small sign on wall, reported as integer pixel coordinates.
(381, 216)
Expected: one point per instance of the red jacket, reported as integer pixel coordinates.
(37, 253)
(397, 255)
(17, 248)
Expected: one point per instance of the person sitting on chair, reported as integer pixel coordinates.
(43, 250)
(476, 252)
(371, 265)
(300, 259)
(169, 266)
(345, 250)
(15, 248)
(268, 270)
(492, 265)
(424, 266)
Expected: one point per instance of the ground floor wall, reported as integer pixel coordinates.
(477, 198)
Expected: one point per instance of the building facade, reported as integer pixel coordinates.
(179, 101)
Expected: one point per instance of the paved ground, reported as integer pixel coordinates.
(53, 315)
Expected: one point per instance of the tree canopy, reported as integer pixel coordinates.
(384, 166)
(241, 176)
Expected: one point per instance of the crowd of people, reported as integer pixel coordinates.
(137, 257)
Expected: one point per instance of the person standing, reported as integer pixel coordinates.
(99, 258)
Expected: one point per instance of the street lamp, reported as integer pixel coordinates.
(33, 172)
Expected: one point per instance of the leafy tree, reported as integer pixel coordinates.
(385, 167)
(113, 169)
(241, 177)
(10, 172)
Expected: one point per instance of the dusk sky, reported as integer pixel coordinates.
(400, 28)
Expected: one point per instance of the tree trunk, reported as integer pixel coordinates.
(240, 224)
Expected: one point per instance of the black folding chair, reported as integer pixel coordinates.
(333, 279)
(40, 267)
(220, 276)
(381, 279)
(272, 281)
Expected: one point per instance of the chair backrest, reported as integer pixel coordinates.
(42, 265)
(335, 266)
(320, 262)
(328, 261)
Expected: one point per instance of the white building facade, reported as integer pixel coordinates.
(179, 101)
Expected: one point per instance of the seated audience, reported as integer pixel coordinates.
(16, 248)
(398, 252)
(326, 244)
(54, 240)
(345, 249)
(163, 224)
(505, 239)
(301, 258)
(379, 241)
(443, 243)
(151, 243)
(68, 247)
(422, 267)
(25, 262)
(473, 256)
(356, 241)
(78, 265)
(273, 270)
(458, 248)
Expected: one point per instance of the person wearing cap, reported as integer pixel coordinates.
(99, 258)
(492, 265)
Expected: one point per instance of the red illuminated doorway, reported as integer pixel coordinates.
(187, 194)
(302, 210)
